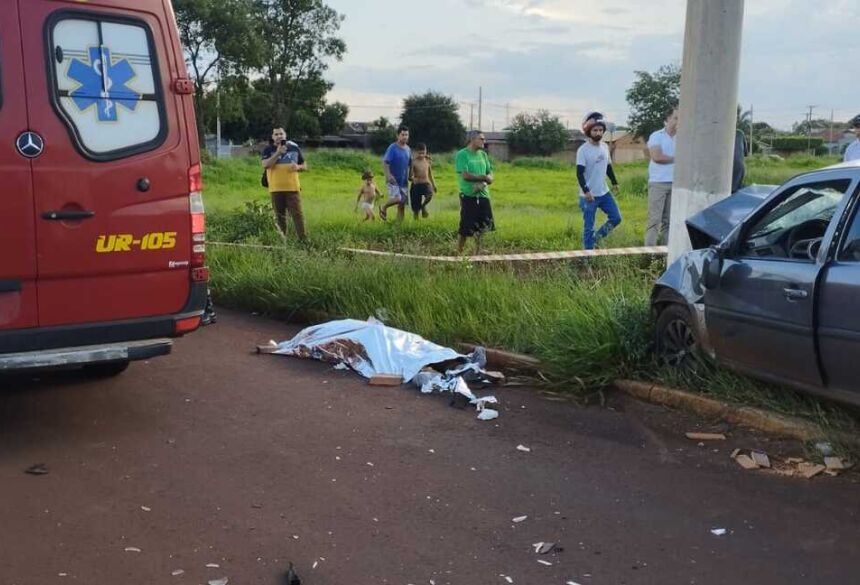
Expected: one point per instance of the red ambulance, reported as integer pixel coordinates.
(102, 245)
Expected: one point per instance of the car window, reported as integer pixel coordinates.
(105, 84)
(850, 251)
(794, 228)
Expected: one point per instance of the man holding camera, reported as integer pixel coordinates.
(283, 161)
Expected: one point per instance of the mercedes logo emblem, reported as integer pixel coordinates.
(30, 144)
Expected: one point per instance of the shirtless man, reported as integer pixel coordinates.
(423, 183)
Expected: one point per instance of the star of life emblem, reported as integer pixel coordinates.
(103, 84)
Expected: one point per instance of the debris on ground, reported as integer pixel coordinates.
(506, 578)
(837, 464)
(545, 563)
(523, 448)
(519, 519)
(761, 459)
(221, 581)
(746, 462)
(791, 466)
(213, 566)
(488, 414)
(810, 470)
(719, 531)
(544, 548)
(706, 436)
(177, 573)
(38, 469)
(291, 577)
(133, 549)
(390, 357)
(386, 380)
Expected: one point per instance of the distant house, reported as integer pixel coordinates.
(625, 147)
(835, 141)
(499, 149)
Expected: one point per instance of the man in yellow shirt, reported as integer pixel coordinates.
(283, 161)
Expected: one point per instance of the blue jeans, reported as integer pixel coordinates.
(605, 203)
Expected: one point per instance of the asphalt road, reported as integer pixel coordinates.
(214, 455)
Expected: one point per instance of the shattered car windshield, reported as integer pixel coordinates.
(803, 206)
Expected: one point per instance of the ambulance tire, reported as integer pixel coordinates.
(106, 370)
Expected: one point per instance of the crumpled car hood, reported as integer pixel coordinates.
(712, 225)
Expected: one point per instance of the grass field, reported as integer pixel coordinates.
(588, 322)
(535, 203)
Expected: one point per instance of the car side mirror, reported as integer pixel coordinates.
(712, 268)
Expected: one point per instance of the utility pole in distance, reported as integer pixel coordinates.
(708, 112)
(480, 107)
(809, 130)
(752, 128)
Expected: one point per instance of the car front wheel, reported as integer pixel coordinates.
(676, 342)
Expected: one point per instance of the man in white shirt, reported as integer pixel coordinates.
(661, 171)
(853, 150)
(593, 166)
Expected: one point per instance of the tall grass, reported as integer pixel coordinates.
(588, 324)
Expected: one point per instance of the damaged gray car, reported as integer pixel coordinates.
(772, 286)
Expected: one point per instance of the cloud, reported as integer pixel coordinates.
(568, 55)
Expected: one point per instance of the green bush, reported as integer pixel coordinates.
(791, 143)
(252, 224)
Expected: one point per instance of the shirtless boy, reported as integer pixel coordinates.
(423, 183)
(367, 194)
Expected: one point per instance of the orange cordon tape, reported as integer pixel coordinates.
(530, 257)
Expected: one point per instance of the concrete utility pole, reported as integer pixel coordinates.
(709, 100)
(471, 116)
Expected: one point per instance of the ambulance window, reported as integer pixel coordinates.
(106, 85)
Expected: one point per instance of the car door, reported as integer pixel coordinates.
(111, 188)
(839, 309)
(18, 308)
(761, 316)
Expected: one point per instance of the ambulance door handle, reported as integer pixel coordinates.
(70, 215)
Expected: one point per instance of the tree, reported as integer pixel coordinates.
(816, 125)
(650, 96)
(218, 36)
(540, 134)
(302, 37)
(382, 135)
(333, 118)
(744, 120)
(432, 118)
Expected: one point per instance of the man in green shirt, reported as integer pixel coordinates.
(475, 175)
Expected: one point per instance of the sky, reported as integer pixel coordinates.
(575, 56)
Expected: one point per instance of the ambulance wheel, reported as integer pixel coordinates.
(106, 370)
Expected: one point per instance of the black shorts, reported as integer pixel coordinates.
(476, 216)
(419, 194)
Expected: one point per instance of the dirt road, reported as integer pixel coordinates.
(215, 456)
